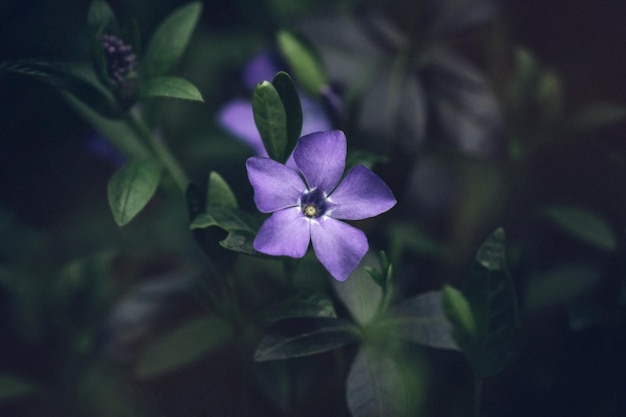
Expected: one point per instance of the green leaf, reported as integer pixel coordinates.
(304, 63)
(131, 187)
(422, 320)
(240, 241)
(169, 41)
(360, 293)
(375, 387)
(100, 16)
(219, 192)
(301, 305)
(63, 78)
(184, 345)
(596, 116)
(270, 118)
(582, 224)
(362, 157)
(296, 337)
(291, 102)
(171, 87)
(461, 317)
(489, 291)
(13, 388)
(241, 227)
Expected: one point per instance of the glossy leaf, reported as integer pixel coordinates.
(184, 345)
(131, 187)
(293, 109)
(62, 77)
(375, 387)
(270, 118)
(169, 41)
(422, 320)
(582, 224)
(297, 337)
(301, 305)
(219, 192)
(306, 66)
(13, 388)
(171, 87)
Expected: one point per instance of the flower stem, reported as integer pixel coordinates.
(161, 151)
(478, 385)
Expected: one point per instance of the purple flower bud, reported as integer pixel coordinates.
(120, 58)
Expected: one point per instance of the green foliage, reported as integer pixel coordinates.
(293, 109)
(583, 225)
(12, 388)
(219, 192)
(184, 345)
(131, 187)
(171, 87)
(306, 66)
(169, 41)
(270, 118)
(300, 305)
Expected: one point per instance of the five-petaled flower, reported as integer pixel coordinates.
(308, 205)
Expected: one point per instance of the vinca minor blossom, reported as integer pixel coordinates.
(308, 205)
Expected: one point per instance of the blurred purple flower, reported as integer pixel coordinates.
(310, 209)
(237, 116)
(119, 57)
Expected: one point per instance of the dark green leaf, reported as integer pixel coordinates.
(306, 66)
(270, 118)
(297, 337)
(62, 77)
(461, 317)
(171, 87)
(596, 116)
(184, 345)
(100, 16)
(422, 320)
(375, 387)
(131, 187)
(240, 241)
(13, 388)
(219, 192)
(362, 157)
(293, 109)
(301, 305)
(583, 225)
(225, 217)
(360, 293)
(170, 40)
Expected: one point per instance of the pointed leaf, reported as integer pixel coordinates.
(306, 66)
(293, 109)
(184, 345)
(422, 320)
(171, 87)
(297, 337)
(301, 305)
(131, 187)
(219, 192)
(270, 118)
(375, 387)
(583, 225)
(461, 317)
(170, 40)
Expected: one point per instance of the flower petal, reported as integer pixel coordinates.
(237, 118)
(314, 115)
(263, 66)
(360, 195)
(275, 185)
(284, 233)
(339, 246)
(321, 157)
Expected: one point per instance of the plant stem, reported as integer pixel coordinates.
(478, 385)
(161, 151)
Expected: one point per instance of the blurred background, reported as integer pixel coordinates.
(540, 129)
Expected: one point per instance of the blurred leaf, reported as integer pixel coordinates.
(582, 224)
(360, 294)
(461, 317)
(293, 109)
(596, 116)
(362, 157)
(410, 237)
(489, 291)
(12, 388)
(169, 41)
(171, 87)
(184, 345)
(306, 66)
(559, 284)
(62, 77)
(295, 337)
(375, 387)
(270, 118)
(131, 187)
(422, 320)
(301, 305)
(219, 192)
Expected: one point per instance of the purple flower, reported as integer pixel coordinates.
(120, 58)
(237, 116)
(307, 205)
